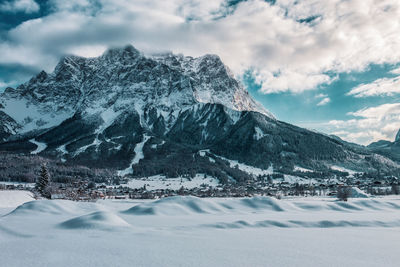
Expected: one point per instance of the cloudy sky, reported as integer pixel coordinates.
(329, 65)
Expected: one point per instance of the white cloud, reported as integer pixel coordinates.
(395, 71)
(286, 55)
(26, 6)
(324, 101)
(368, 125)
(380, 87)
(321, 95)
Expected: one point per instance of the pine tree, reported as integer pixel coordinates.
(43, 182)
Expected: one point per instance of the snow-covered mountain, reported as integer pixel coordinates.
(156, 113)
(123, 80)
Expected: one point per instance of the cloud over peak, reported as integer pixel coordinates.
(290, 45)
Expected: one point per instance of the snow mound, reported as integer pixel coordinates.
(14, 198)
(140, 210)
(48, 206)
(358, 193)
(193, 205)
(264, 203)
(99, 220)
(175, 206)
(244, 227)
(186, 205)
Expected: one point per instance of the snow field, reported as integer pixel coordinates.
(183, 231)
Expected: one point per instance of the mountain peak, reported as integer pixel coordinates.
(397, 139)
(124, 80)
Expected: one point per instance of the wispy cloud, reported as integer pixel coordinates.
(324, 101)
(370, 124)
(380, 87)
(321, 95)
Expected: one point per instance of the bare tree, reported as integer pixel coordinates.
(344, 193)
(395, 189)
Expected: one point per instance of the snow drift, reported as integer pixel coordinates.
(174, 206)
(99, 220)
(182, 231)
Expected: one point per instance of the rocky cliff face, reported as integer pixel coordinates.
(124, 109)
(123, 80)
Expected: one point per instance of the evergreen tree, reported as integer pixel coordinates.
(43, 182)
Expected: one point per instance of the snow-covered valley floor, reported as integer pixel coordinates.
(188, 231)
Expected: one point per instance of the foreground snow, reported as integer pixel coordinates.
(188, 231)
(11, 199)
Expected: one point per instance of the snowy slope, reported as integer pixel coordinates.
(213, 82)
(246, 168)
(40, 146)
(138, 156)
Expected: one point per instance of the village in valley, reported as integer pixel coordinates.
(279, 185)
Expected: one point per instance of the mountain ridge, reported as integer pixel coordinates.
(99, 111)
